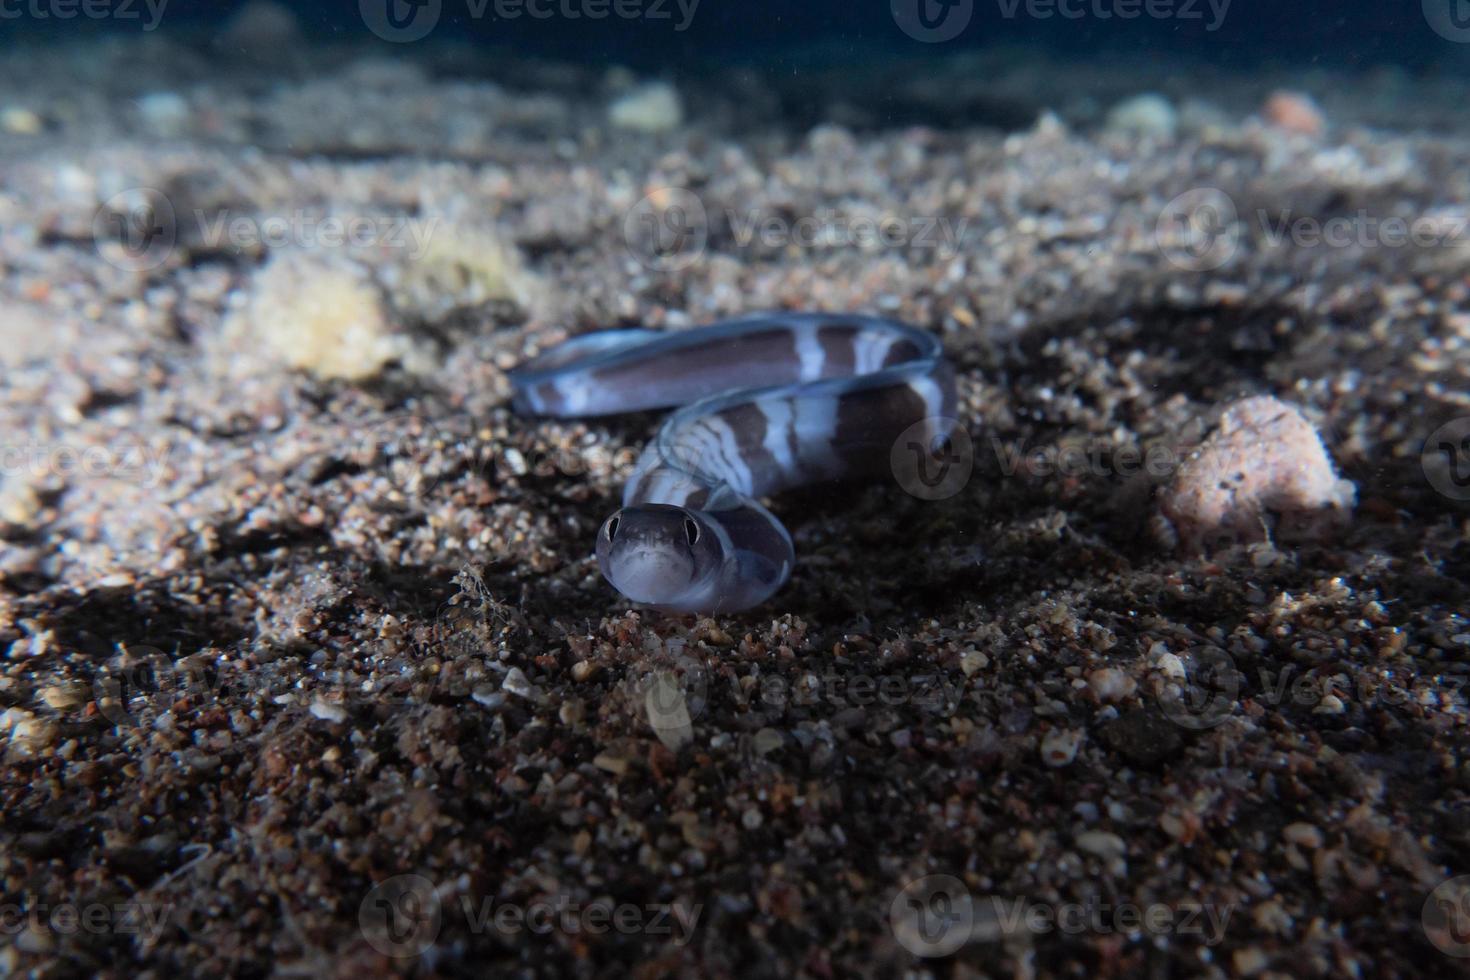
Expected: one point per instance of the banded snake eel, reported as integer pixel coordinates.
(770, 402)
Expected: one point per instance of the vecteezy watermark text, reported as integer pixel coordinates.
(936, 21)
(827, 228)
(1104, 10)
(306, 229)
(933, 459)
(140, 463)
(561, 914)
(935, 915)
(937, 692)
(670, 228)
(680, 12)
(1011, 916)
(1361, 229)
(1201, 229)
(92, 918)
(149, 11)
(405, 21)
(402, 917)
(1205, 689)
(138, 230)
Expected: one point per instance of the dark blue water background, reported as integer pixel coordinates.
(773, 33)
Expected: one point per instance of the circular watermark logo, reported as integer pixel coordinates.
(1205, 696)
(400, 21)
(933, 458)
(146, 674)
(402, 447)
(1446, 459)
(1450, 19)
(136, 230)
(400, 917)
(459, 627)
(667, 230)
(1446, 917)
(673, 691)
(932, 915)
(932, 21)
(1197, 231)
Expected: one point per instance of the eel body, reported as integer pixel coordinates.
(769, 402)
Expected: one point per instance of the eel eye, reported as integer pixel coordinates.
(691, 531)
(612, 527)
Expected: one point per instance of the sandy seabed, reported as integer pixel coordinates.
(310, 669)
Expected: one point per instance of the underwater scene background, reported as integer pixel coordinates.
(1156, 666)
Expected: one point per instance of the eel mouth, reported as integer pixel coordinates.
(649, 573)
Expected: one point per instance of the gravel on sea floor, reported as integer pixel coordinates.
(310, 669)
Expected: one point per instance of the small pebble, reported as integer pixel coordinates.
(1294, 112)
(1146, 115)
(1303, 835)
(166, 113)
(328, 711)
(1102, 844)
(652, 108)
(972, 661)
(64, 697)
(1110, 684)
(572, 712)
(488, 697)
(516, 683)
(1107, 847)
(1059, 746)
(20, 121)
(768, 740)
(1249, 961)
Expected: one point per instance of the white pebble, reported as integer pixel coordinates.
(1110, 684)
(21, 121)
(166, 113)
(327, 711)
(1059, 746)
(1102, 844)
(516, 683)
(652, 108)
(1144, 115)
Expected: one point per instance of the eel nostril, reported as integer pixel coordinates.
(691, 531)
(612, 527)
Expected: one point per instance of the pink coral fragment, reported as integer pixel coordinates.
(1263, 470)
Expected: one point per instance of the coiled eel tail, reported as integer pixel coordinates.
(771, 402)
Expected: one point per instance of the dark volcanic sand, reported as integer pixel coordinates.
(352, 630)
